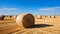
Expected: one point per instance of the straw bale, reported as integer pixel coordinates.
(25, 20)
(2, 17)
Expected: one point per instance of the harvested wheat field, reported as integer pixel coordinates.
(41, 26)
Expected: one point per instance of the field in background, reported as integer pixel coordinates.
(43, 25)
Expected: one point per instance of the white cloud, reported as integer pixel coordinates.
(4, 8)
(49, 9)
(10, 11)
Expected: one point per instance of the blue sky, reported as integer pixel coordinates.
(36, 7)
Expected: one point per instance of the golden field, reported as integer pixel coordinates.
(43, 25)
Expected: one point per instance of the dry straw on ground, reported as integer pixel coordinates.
(25, 20)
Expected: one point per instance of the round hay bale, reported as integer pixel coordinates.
(39, 17)
(2, 17)
(53, 16)
(25, 20)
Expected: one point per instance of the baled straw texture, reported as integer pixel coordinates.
(25, 20)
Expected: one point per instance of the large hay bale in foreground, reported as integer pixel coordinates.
(25, 20)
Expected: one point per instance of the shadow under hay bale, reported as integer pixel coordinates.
(40, 26)
(25, 20)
